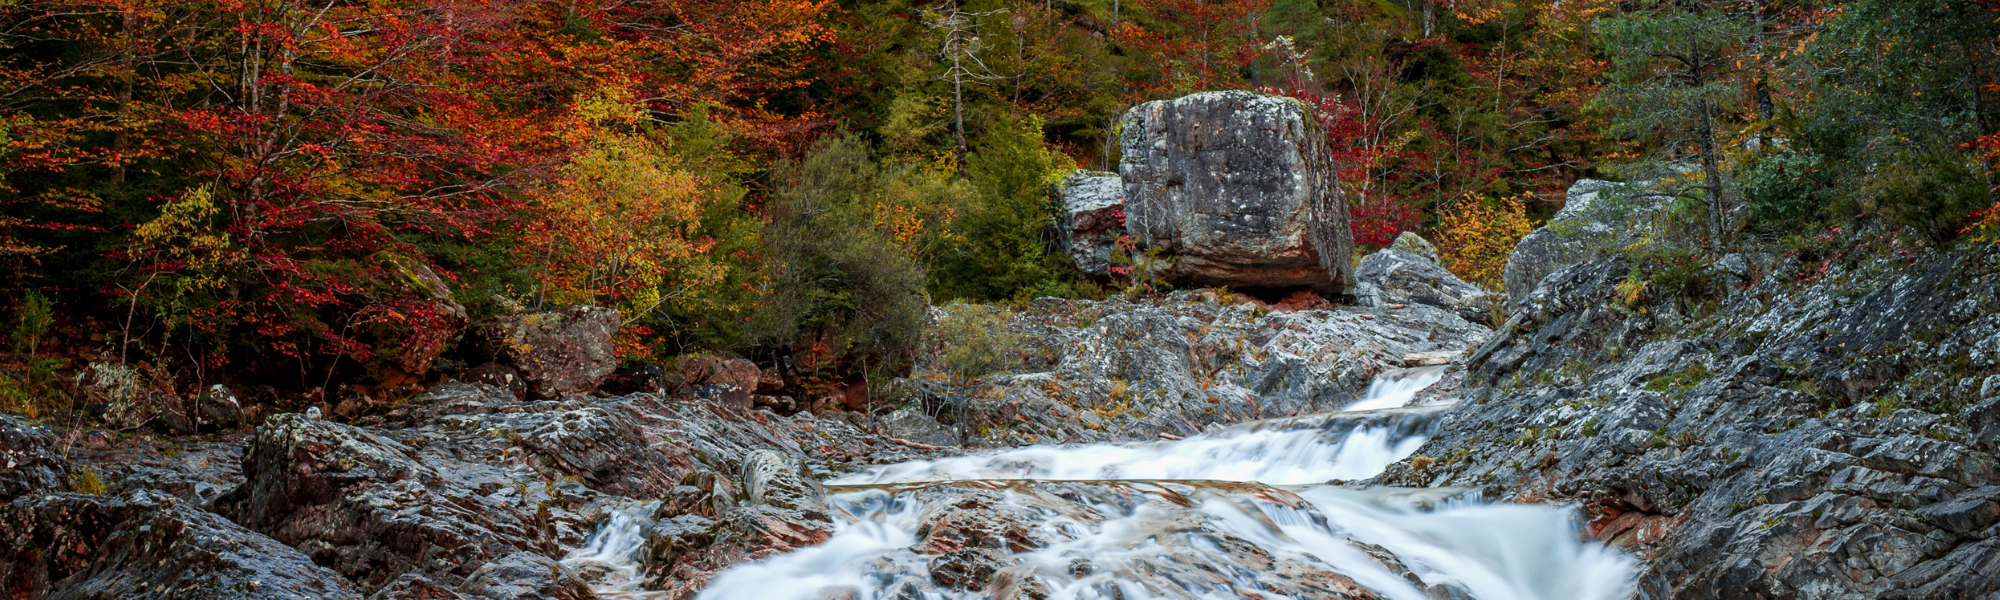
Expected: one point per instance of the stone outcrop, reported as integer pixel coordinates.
(1416, 244)
(1091, 218)
(28, 460)
(1117, 371)
(1803, 440)
(556, 353)
(1392, 277)
(148, 545)
(1238, 188)
(1597, 218)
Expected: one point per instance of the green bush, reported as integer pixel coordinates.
(1783, 188)
(974, 340)
(841, 290)
(1933, 192)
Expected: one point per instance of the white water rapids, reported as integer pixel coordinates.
(1153, 521)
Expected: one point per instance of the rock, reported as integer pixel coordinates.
(1728, 449)
(1091, 218)
(1597, 218)
(29, 463)
(1113, 370)
(144, 545)
(408, 337)
(913, 426)
(1238, 188)
(770, 382)
(1427, 359)
(1392, 277)
(560, 352)
(725, 395)
(1412, 243)
(500, 376)
(218, 408)
(645, 378)
(525, 576)
(710, 369)
(777, 479)
(1963, 517)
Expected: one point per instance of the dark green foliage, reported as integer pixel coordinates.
(1006, 250)
(839, 285)
(1786, 188)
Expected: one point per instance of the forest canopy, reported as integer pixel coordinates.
(283, 194)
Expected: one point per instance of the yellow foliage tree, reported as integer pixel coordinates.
(1475, 236)
(619, 225)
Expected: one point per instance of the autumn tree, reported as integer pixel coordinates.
(1674, 81)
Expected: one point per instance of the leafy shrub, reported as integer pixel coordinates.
(1783, 188)
(1006, 249)
(972, 341)
(842, 290)
(1933, 192)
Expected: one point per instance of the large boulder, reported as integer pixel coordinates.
(148, 545)
(1239, 189)
(558, 352)
(1092, 213)
(1392, 277)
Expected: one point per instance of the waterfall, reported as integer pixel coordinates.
(1242, 512)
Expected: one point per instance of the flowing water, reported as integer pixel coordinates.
(1243, 512)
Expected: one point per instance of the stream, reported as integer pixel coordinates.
(1239, 512)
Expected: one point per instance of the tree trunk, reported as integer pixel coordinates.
(958, 114)
(1711, 171)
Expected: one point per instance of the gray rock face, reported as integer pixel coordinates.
(1392, 277)
(560, 352)
(28, 461)
(1591, 223)
(1238, 188)
(148, 545)
(1091, 218)
(913, 426)
(1802, 441)
(1119, 371)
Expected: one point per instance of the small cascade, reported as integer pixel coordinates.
(1239, 512)
(1395, 389)
(611, 556)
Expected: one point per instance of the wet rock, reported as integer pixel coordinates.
(967, 569)
(143, 545)
(413, 586)
(1091, 219)
(1392, 277)
(560, 352)
(779, 479)
(1116, 370)
(29, 463)
(500, 376)
(525, 576)
(1735, 450)
(913, 426)
(1238, 188)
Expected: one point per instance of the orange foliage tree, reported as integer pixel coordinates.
(1475, 236)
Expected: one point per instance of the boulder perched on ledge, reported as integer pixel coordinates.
(1238, 188)
(1393, 277)
(557, 352)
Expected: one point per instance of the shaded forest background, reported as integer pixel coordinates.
(285, 195)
